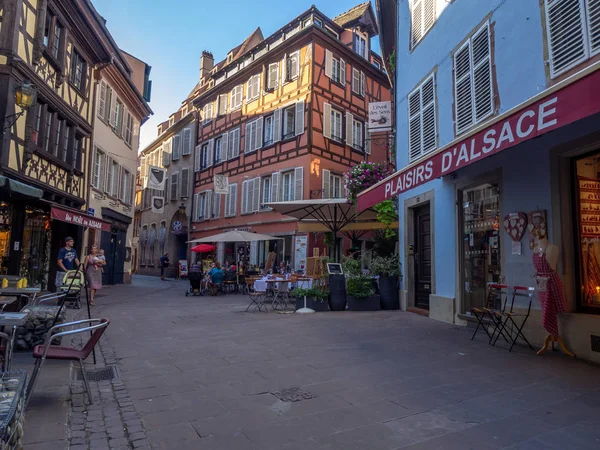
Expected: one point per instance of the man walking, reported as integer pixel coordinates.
(164, 263)
(67, 260)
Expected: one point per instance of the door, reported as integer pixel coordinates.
(422, 227)
(119, 257)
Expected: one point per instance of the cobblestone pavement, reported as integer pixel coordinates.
(199, 373)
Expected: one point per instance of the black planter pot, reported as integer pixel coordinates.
(371, 303)
(337, 292)
(312, 304)
(388, 291)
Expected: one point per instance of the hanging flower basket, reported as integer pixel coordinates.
(364, 175)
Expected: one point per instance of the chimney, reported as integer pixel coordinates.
(207, 62)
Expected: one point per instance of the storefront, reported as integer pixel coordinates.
(467, 212)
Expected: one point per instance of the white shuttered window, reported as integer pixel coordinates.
(422, 19)
(473, 91)
(233, 144)
(422, 128)
(231, 201)
(573, 32)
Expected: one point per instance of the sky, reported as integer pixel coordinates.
(171, 35)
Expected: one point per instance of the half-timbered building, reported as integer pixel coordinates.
(283, 118)
(54, 45)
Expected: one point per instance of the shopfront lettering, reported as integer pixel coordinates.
(79, 219)
(564, 106)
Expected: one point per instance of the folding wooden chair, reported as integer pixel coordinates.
(507, 321)
(497, 300)
(257, 298)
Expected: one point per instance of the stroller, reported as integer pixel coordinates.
(73, 283)
(195, 278)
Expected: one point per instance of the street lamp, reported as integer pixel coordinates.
(25, 96)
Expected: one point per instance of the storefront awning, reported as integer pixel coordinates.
(571, 100)
(78, 218)
(20, 188)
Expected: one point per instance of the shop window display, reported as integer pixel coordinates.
(5, 224)
(588, 215)
(481, 252)
(35, 261)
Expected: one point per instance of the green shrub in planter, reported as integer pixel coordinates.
(315, 298)
(389, 270)
(360, 294)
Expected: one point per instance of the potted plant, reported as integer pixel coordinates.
(361, 294)
(389, 271)
(316, 299)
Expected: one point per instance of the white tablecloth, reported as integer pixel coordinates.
(261, 285)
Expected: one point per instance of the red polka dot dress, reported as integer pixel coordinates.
(553, 297)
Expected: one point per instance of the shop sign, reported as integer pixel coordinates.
(156, 178)
(221, 184)
(380, 116)
(567, 105)
(78, 219)
(301, 250)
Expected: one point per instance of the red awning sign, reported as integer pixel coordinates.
(65, 215)
(573, 102)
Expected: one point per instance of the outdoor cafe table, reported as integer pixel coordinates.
(11, 321)
(19, 292)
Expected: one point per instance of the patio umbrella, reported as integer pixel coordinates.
(333, 213)
(235, 236)
(204, 248)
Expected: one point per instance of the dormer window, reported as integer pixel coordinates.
(360, 45)
(229, 57)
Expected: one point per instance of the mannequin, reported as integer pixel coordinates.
(550, 290)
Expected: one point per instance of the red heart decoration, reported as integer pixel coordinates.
(515, 225)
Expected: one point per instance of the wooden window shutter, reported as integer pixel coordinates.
(224, 146)
(350, 130)
(197, 158)
(234, 192)
(102, 177)
(327, 120)
(256, 196)
(275, 187)
(273, 76)
(211, 152)
(102, 102)
(367, 142)
(216, 205)
(207, 207)
(236, 142)
(593, 25)
(482, 73)
(176, 147)
(298, 183)
(414, 125)
(174, 185)
(328, 63)
(259, 134)
(244, 206)
(187, 141)
(277, 125)
(362, 84)
(247, 128)
(299, 125)
(185, 182)
(196, 213)
(565, 27)
(429, 139)
(355, 81)
(342, 72)
(326, 184)
(463, 93)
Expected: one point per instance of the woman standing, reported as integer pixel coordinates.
(93, 272)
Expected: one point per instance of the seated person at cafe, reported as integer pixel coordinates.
(216, 274)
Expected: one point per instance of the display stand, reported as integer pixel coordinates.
(549, 343)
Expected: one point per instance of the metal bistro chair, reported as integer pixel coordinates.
(507, 322)
(57, 298)
(497, 300)
(257, 298)
(47, 351)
